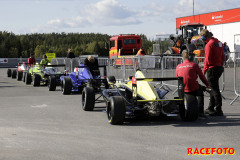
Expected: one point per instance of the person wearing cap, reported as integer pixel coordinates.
(70, 53)
(190, 72)
(213, 66)
(44, 61)
(92, 64)
(31, 59)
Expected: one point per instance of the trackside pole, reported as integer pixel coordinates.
(162, 71)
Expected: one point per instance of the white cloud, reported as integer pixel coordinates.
(54, 22)
(104, 13)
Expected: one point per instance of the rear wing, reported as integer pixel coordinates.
(62, 65)
(180, 88)
(23, 63)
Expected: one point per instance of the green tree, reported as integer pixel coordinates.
(92, 48)
(13, 53)
(81, 43)
(40, 50)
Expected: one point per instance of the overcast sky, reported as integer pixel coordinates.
(149, 17)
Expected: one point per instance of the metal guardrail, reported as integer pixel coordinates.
(13, 62)
(152, 66)
(123, 68)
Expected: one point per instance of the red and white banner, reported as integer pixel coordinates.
(227, 16)
(3, 60)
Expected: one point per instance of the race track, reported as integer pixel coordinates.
(36, 124)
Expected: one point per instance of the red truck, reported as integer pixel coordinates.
(124, 46)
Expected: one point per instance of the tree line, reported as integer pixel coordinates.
(15, 46)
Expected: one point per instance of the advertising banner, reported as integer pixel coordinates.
(50, 56)
(3, 60)
(227, 16)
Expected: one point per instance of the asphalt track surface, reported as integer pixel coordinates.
(36, 124)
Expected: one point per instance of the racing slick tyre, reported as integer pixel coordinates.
(36, 80)
(28, 78)
(66, 85)
(14, 74)
(52, 83)
(19, 75)
(116, 110)
(189, 109)
(24, 76)
(9, 73)
(88, 98)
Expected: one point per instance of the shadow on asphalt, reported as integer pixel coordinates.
(99, 109)
(229, 119)
(210, 121)
(7, 86)
(4, 82)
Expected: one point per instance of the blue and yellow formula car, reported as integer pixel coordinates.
(82, 77)
(141, 97)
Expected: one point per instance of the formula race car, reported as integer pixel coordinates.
(48, 75)
(18, 73)
(82, 77)
(139, 97)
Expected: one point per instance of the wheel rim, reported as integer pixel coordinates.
(49, 81)
(26, 79)
(83, 99)
(109, 114)
(62, 88)
(185, 106)
(34, 80)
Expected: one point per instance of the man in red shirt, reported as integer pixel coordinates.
(213, 66)
(31, 60)
(190, 72)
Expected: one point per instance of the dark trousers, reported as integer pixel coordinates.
(200, 97)
(213, 75)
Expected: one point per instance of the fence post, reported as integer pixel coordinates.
(235, 81)
(124, 69)
(223, 84)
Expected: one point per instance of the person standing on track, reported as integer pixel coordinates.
(44, 61)
(31, 60)
(213, 66)
(190, 72)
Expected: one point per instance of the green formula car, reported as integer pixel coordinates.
(48, 75)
